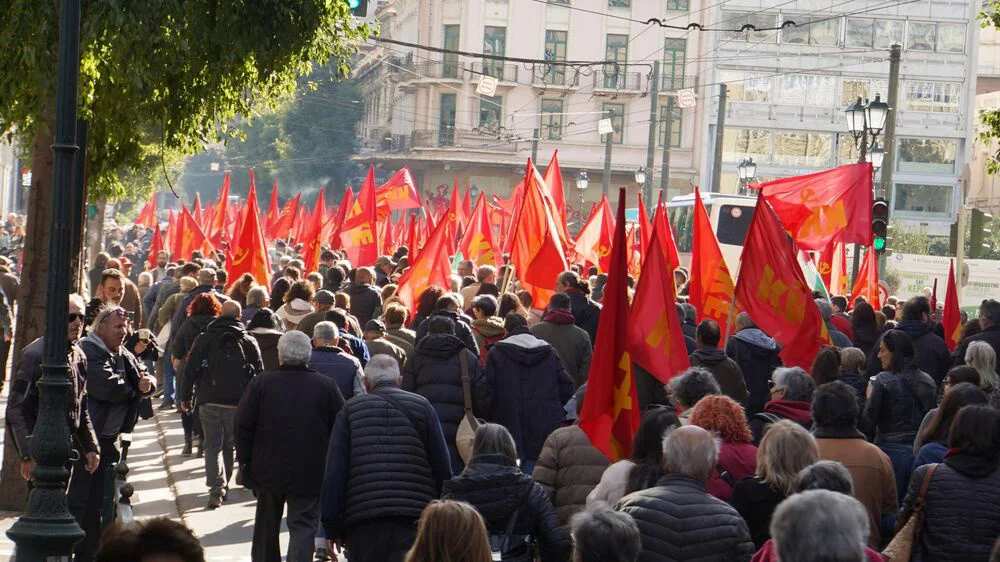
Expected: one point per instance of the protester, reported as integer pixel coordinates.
(283, 426)
(297, 304)
(791, 399)
(394, 316)
(687, 388)
(931, 355)
(603, 535)
(265, 328)
(852, 365)
(644, 467)
(838, 519)
(786, 449)
(835, 411)
(737, 460)
(329, 359)
(241, 288)
(837, 338)
(485, 275)
(757, 356)
(386, 461)
(989, 325)
(448, 307)
(981, 357)
(678, 519)
(826, 365)
(450, 531)
(351, 343)
(572, 343)
(204, 309)
(322, 302)
(426, 304)
(487, 328)
(930, 445)
(256, 300)
(366, 300)
(865, 328)
(727, 373)
(153, 540)
(960, 516)
(512, 505)
(378, 344)
(528, 387)
(585, 311)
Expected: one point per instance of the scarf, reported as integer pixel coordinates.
(558, 316)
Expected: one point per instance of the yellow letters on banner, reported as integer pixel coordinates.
(824, 221)
(660, 334)
(623, 392)
(361, 235)
(771, 289)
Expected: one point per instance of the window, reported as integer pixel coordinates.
(734, 222)
(746, 86)
(927, 155)
(920, 36)
(864, 88)
(552, 119)
(675, 126)
(616, 111)
(920, 198)
(682, 221)
(847, 149)
(888, 32)
(674, 60)
(619, 3)
(734, 20)
(860, 32)
(806, 89)
(490, 112)
(446, 120)
(803, 149)
(494, 43)
(811, 31)
(951, 38)
(740, 143)
(555, 49)
(616, 49)
(449, 67)
(678, 5)
(933, 97)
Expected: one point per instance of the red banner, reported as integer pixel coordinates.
(951, 318)
(536, 254)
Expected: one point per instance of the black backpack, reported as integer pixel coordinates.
(227, 352)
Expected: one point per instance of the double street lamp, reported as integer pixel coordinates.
(865, 121)
(582, 181)
(747, 171)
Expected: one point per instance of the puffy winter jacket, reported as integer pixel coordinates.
(528, 387)
(757, 355)
(366, 302)
(497, 488)
(569, 468)
(679, 520)
(897, 405)
(342, 367)
(434, 372)
(727, 373)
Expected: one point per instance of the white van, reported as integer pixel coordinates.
(730, 216)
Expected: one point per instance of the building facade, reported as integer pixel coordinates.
(787, 91)
(11, 199)
(422, 109)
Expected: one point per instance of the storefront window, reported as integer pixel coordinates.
(927, 155)
(920, 198)
(803, 149)
(740, 143)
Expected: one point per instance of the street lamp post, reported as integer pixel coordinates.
(640, 178)
(582, 181)
(865, 121)
(747, 172)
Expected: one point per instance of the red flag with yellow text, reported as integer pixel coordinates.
(593, 243)
(536, 253)
(773, 290)
(951, 318)
(400, 192)
(477, 242)
(818, 208)
(248, 253)
(358, 234)
(866, 285)
(610, 415)
(655, 338)
(430, 267)
(710, 289)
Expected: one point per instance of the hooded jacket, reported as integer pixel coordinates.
(586, 312)
(569, 468)
(727, 373)
(799, 412)
(571, 342)
(267, 343)
(226, 386)
(487, 331)
(366, 302)
(528, 387)
(931, 353)
(434, 372)
(463, 330)
(497, 489)
(756, 353)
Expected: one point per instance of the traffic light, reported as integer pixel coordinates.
(880, 224)
(359, 8)
(979, 227)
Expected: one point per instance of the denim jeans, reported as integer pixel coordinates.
(217, 423)
(168, 380)
(901, 456)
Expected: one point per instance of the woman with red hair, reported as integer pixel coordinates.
(737, 454)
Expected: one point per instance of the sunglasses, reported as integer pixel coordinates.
(74, 316)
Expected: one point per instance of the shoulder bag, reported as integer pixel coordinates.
(466, 433)
(900, 548)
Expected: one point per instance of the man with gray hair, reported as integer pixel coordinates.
(283, 426)
(820, 526)
(387, 460)
(791, 399)
(836, 336)
(329, 359)
(687, 388)
(602, 535)
(678, 519)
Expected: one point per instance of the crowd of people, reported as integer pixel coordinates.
(451, 433)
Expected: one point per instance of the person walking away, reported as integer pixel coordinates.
(724, 417)
(223, 361)
(366, 299)
(586, 312)
(378, 344)
(450, 530)
(756, 353)
(603, 535)
(989, 324)
(204, 309)
(931, 355)
(487, 328)
(571, 342)
(283, 426)
(265, 327)
(394, 316)
(322, 302)
(708, 355)
(387, 459)
(329, 359)
(791, 399)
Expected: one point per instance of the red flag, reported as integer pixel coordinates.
(710, 289)
(190, 237)
(593, 243)
(273, 210)
(934, 298)
(346, 203)
(951, 319)
(249, 252)
(553, 180)
(667, 236)
(400, 192)
(536, 253)
(634, 249)
(645, 228)
(467, 206)
(830, 205)
(388, 237)
(147, 216)
(313, 237)
(513, 208)
(655, 339)
(429, 267)
(610, 415)
(411, 236)
(155, 247)
(283, 225)
(477, 243)
(773, 290)
(196, 211)
(217, 226)
(866, 285)
(825, 266)
(172, 238)
(358, 234)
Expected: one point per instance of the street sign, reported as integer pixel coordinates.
(686, 99)
(605, 127)
(487, 86)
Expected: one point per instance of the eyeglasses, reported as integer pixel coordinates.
(74, 316)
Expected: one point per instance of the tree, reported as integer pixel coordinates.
(989, 133)
(155, 77)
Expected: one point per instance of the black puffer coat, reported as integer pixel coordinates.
(497, 488)
(434, 372)
(366, 302)
(679, 520)
(528, 388)
(756, 353)
(897, 405)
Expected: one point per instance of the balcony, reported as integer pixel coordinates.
(554, 77)
(672, 83)
(504, 72)
(431, 72)
(462, 139)
(618, 81)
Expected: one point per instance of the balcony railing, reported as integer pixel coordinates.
(461, 138)
(497, 69)
(618, 80)
(669, 82)
(553, 75)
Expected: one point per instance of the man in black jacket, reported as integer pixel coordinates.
(586, 311)
(386, 461)
(223, 361)
(989, 321)
(366, 300)
(708, 355)
(757, 355)
(283, 426)
(678, 519)
(448, 306)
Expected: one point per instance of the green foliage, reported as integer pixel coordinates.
(305, 143)
(989, 131)
(158, 79)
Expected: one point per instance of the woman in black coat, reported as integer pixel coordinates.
(516, 509)
(202, 310)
